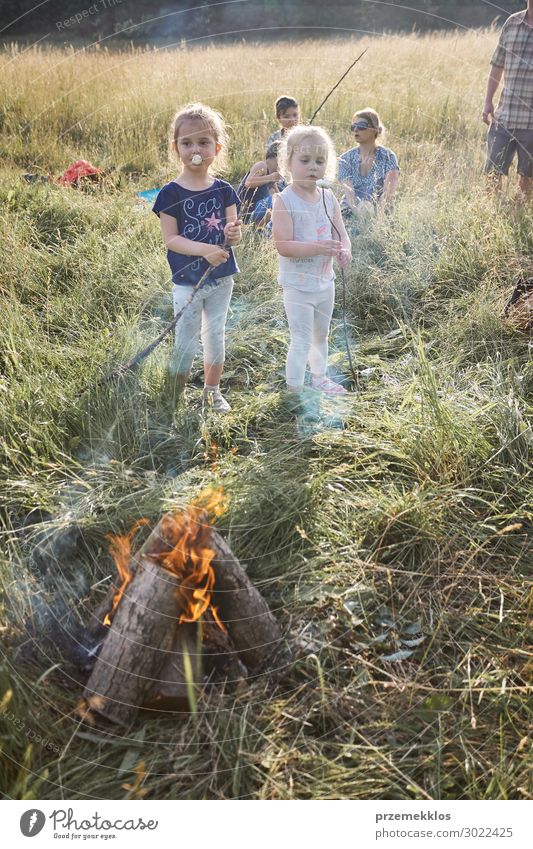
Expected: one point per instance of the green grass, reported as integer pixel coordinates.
(405, 535)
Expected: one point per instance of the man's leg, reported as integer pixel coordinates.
(525, 162)
(501, 147)
(526, 186)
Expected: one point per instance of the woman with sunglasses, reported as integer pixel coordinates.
(369, 173)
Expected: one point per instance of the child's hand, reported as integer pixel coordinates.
(232, 231)
(215, 255)
(329, 247)
(344, 257)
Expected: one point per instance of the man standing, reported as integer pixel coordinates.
(511, 125)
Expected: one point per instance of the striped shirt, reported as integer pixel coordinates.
(514, 54)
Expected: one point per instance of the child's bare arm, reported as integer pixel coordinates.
(349, 194)
(259, 176)
(345, 254)
(283, 236)
(214, 254)
(232, 230)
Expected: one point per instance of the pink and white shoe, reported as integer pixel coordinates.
(324, 384)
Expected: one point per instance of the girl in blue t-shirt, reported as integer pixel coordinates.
(199, 223)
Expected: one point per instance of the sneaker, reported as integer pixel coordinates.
(214, 399)
(328, 386)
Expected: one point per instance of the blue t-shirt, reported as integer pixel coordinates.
(369, 186)
(201, 216)
(250, 197)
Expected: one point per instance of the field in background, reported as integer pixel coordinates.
(406, 535)
(115, 108)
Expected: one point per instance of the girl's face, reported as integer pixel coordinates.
(308, 163)
(196, 145)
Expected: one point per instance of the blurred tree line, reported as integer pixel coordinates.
(183, 19)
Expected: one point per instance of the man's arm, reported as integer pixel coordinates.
(496, 73)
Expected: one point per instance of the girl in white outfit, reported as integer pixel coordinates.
(307, 244)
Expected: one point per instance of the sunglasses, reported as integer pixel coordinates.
(361, 125)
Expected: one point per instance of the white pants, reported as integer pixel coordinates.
(207, 314)
(309, 316)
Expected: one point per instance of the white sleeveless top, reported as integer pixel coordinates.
(310, 224)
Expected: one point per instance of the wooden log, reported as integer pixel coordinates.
(145, 636)
(134, 651)
(243, 610)
(170, 694)
(220, 654)
(156, 543)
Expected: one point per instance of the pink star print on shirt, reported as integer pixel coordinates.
(213, 223)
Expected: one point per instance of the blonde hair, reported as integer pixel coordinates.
(305, 138)
(212, 121)
(372, 117)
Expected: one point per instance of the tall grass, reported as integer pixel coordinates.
(396, 552)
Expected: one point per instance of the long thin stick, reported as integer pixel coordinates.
(343, 278)
(337, 84)
(141, 355)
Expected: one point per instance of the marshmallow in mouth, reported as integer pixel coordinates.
(196, 159)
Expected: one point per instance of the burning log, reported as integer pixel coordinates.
(243, 610)
(135, 648)
(184, 573)
(171, 693)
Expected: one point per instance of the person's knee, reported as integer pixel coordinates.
(299, 345)
(182, 358)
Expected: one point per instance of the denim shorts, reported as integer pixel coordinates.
(502, 144)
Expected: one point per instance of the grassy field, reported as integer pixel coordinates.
(407, 535)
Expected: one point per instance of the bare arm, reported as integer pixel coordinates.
(345, 254)
(179, 244)
(390, 187)
(349, 194)
(214, 254)
(283, 236)
(259, 176)
(232, 230)
(496, 73)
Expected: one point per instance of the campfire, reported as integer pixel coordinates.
(184, 611)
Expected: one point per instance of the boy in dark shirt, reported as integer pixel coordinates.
(288, 116)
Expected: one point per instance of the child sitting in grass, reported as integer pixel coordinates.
(288, 116)
(258, 186)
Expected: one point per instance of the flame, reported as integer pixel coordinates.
(120, 550)
(190, 557)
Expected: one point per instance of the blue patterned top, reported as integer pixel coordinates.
(200, 216)
(369, 187)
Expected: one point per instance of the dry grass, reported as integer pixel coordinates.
(397, 552)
